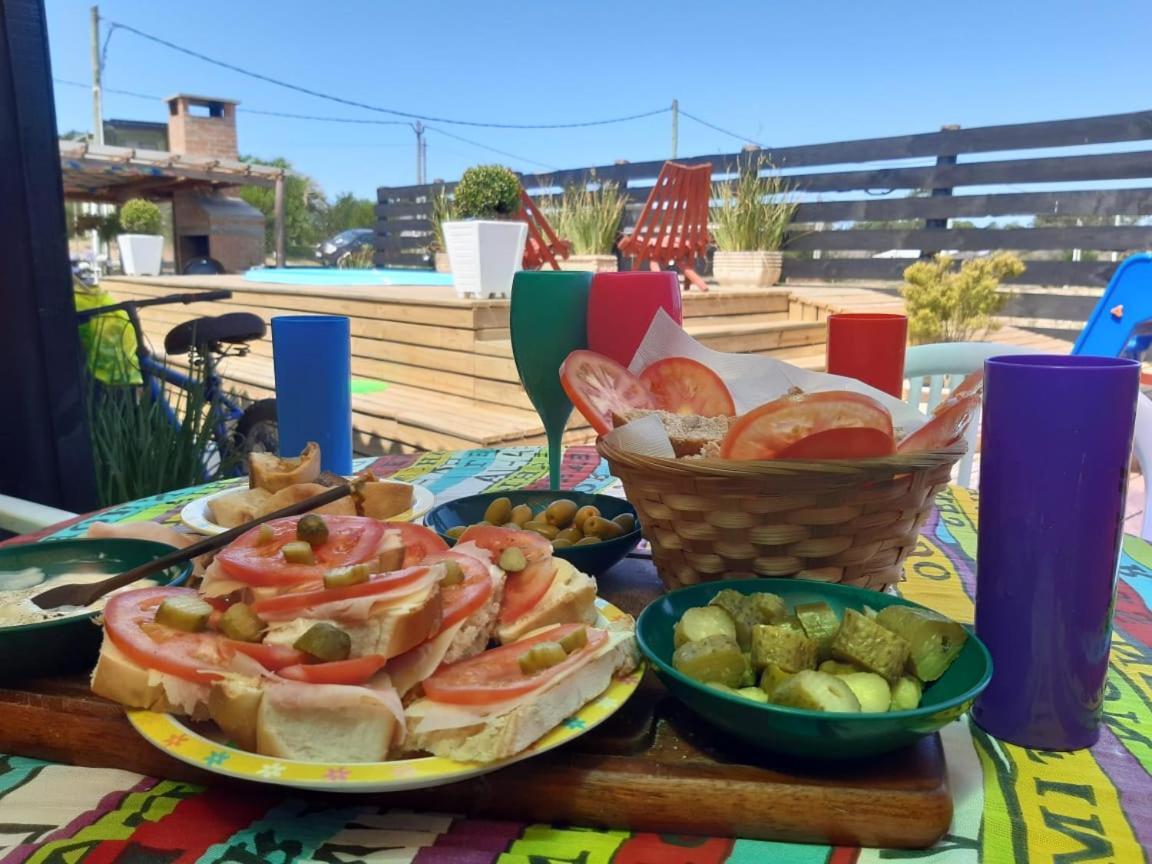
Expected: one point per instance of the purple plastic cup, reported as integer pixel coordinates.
(1057, 438)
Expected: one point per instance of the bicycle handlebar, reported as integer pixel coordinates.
(194, 297)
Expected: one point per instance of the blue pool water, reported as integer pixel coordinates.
(334, 276)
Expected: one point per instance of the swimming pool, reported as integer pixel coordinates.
(337, 276)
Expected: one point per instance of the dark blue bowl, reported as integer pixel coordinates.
(593, 559)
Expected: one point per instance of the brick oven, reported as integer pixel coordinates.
(212, 225)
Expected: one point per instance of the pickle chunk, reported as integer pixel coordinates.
(754, 693)
(184, 612)
(325, 642)
(835, 667)
(816, 691)
(701, 622)
(768, 608)
(873, 648)
(772, 677)
(819, 622)
(871, 690)
(775, 643)
(906, 694)
(715, 659)
(739, 608)
(239, 622)
(935, 641)
(541, 656)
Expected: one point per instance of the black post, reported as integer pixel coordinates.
(45, 453)
(941, 224)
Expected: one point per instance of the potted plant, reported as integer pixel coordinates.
(589, 218)
(750, 227)
(485, 241)
(443, 210)
(141, 244)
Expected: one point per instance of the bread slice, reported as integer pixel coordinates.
(507, 731)
(571, 599)
(236, 508)
(118, 678)
(301, 491)
(690, 434)
(383, 499)
(269, 472)
(324, 723)
(234, 705)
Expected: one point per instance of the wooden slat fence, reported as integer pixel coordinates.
(996, 170)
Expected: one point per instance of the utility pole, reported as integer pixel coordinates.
(675, 125)
(418, 127)
(97, 107)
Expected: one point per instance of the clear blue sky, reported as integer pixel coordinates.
(781, 73)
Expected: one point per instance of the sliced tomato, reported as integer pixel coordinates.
(945, 428)
(766, 431)
(523, 590)
(462, 599)
(419, 542)
(297, 601)
(685, 386)
(853, 443)
(600, 387)
(355, 671)
(129, 620)
(351, 540)
(495, 675)
(496, 539)
(272, 657)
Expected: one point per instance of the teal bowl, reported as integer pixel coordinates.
(796, 732)
(593, 559)
(63, 645)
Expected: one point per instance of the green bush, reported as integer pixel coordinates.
(753, 213)
(590, 218)
(487, 192)
(140, 217)
(946, 305)
(360, 258)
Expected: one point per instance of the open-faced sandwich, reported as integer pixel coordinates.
(342, 638)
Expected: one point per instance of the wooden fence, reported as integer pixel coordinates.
(870, 180)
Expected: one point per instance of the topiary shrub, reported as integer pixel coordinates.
(487, 192)
(140, 217)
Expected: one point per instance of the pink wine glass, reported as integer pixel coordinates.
(621, 307)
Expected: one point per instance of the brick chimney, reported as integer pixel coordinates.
(202, 126)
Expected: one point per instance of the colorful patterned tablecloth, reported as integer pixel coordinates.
(1011, 804)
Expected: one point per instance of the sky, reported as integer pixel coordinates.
(801, 72)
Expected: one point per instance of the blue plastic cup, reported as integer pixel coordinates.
(312, 356)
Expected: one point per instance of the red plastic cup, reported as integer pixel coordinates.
(621, 307)
(870, 348)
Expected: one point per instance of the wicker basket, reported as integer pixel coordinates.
(845, 521)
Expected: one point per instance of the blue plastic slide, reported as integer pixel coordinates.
(1126, 304)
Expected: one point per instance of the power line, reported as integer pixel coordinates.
(367, 107)
(492, 149)
(718, 129)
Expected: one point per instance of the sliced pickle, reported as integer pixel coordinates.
(325, 642)
(739, 607)
(768, 608)
(298, 552)
(541, 656)
(820, 623)
(453, 572)
(816, 691)
(575, 640)
(753, 693)
(871, 691)
(935, 641)
(512, 560)
(873, 648)
(791, 651)
(342, 577)
(772, 677)
(265, 534)
(239, 622)
(835, 667)
(701, 622)
(184, 612)
(717, 658)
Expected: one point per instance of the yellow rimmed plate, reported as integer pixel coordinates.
(195, 514)
(189, 744)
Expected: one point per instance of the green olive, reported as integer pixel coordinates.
(499, 511)
(561, 543)
(455, 531)
(586, 541)
(511, 526)
(312, 529)
(583, 515)
(543, 529)
(521, 513)
(569, 534)
(603, 528)
(561, 512)
(626, 521)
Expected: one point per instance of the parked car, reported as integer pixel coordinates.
(334, 248)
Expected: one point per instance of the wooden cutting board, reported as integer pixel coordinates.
(652, 767)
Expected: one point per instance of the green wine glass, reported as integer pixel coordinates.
(548, 320)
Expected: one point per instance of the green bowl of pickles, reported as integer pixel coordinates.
(603, 546)
(835, 673)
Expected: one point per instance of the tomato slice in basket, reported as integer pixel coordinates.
(855, 443)
(685, 386)
(765, 431)
(945, 428)
(495, 675)
(600, 387)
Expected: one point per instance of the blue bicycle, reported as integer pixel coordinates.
(206, 341)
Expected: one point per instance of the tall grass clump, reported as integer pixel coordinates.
(752, 214)
(589, 217)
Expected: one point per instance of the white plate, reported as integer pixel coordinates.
(196, 515)
(200, 745)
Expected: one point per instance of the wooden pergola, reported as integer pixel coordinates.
(114, 174)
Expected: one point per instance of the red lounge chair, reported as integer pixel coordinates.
(543, 246)
(673, 226)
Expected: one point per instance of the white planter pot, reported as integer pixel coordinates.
(485, 255)
(141, 254)
(746, 270)
(590, 263)
(443, 265)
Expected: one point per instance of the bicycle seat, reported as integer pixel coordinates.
(235, 327)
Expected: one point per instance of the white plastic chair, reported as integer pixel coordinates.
(1142, 450)
(23, 517)
(932, 369)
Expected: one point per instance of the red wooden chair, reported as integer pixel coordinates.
(673, 226)
(543, 245)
